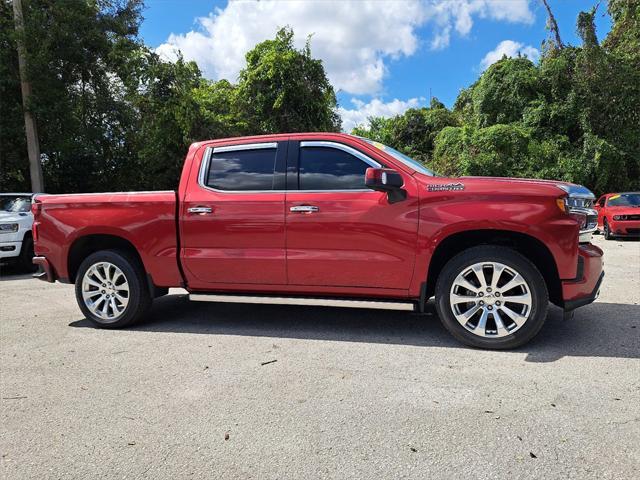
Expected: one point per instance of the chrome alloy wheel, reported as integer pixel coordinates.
(490, 299)
(105, 291)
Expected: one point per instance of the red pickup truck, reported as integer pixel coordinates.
(328, 219)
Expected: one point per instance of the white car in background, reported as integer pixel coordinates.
(16, 219)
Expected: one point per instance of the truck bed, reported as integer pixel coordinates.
(147, 220)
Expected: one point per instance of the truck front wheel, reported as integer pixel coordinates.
(491, 297)
(111, 289)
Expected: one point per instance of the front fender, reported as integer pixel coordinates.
(453, 213)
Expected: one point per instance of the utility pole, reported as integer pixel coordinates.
(33, 146)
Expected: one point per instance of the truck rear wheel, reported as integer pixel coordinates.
(491, 297)
(111, 289)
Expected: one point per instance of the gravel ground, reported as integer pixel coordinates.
(349, 394)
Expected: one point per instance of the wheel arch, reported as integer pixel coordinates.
(84, 246)
(528, 246)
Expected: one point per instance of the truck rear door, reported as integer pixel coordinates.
(232, 222)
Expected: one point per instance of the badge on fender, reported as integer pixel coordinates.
(445, 187)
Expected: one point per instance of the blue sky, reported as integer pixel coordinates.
(382, 56)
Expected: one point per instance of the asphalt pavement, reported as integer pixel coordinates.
(284, 392)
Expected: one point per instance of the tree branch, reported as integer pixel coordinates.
(553, 25)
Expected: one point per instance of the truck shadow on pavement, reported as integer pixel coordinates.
(600, 329)
(13, 272)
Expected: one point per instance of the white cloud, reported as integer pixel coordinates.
(458, 15)
(359, 115)
(355, 39)
(510, 49)
(352, 38)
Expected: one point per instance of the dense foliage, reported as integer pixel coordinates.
(112, 115)
(575, 116)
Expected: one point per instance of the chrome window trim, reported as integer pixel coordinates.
(345, 148)
(206, 159)
(245, 146)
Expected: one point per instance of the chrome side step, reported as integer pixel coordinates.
(319, 302)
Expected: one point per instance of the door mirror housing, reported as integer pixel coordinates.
(383, 179)
(386, 180)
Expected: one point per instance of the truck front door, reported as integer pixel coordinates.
(339, 233)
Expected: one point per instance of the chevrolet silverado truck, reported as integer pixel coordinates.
(333, 220)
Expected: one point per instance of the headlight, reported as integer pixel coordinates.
(578, 205)
(8, 227)
(619, 217)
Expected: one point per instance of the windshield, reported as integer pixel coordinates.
(17, 204)
(624, 200)
(408, 161)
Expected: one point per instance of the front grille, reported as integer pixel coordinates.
(579, 202)
(630, 217)
(633, 231)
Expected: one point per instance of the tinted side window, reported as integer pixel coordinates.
(326, 168)
(242, 170)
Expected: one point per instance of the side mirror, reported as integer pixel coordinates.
(383, 179)
(386, 180)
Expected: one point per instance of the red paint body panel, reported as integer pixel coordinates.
(584, 286)
(242, 241)
(527, 208)
(146, 219)
(355, 239)
(357, 243)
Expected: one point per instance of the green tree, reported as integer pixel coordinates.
(169, 119)
(283, 89)
(413, 132)
(574, 117)
(77, 54)
(499, 150)
(14, 166)
(624, 36)
(113, 115)
(504, 90)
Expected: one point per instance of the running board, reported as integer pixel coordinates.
(317, 302)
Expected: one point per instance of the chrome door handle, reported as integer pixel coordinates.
(304, 209)
(200, 210)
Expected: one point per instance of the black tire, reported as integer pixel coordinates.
(607, 231)
(514, 261)
(25, 260)
(139, 299)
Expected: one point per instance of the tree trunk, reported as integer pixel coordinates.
(33, 146)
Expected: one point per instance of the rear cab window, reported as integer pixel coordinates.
(241, 168)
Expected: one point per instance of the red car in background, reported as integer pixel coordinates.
(619, 214)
